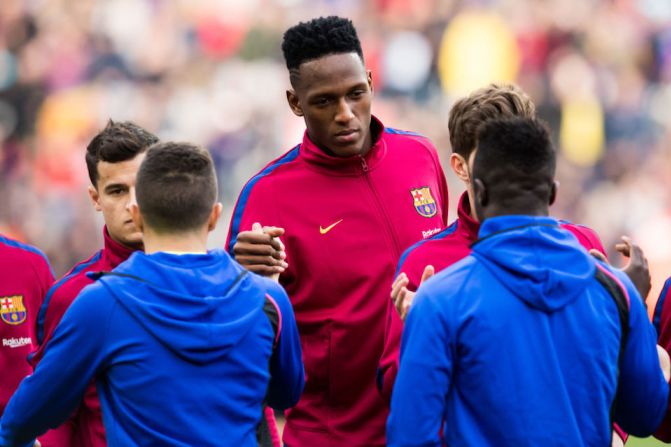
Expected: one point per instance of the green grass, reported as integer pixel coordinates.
(646, 442)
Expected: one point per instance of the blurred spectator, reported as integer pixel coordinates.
(210, 72)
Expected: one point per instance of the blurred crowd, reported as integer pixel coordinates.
(211, 72)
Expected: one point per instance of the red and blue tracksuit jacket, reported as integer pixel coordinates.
(85, 427)
(661, 319)
(441, 251)
(25, 277)
(346, 221)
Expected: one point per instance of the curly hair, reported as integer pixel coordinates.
(317, 38)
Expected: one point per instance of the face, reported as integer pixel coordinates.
(333, 94)
(113, 196)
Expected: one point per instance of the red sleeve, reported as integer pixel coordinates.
(661, 319)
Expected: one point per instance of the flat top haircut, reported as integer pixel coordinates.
(515, 160)
(117, 142)
(176, 187)
(319, 37)
(491, 102)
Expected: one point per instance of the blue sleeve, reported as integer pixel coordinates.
(46, 398)
(425, 375)
(287, 376)
(643, 393)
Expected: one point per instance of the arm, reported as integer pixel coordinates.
(287, 376)
(642, 394)
(45, 399)
(425, 375)
(397, 310)
(259, 249)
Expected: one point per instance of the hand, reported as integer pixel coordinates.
(637, 267)
(261, 250)
(403, 297)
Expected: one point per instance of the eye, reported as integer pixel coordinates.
(321, 101)
(356, 94)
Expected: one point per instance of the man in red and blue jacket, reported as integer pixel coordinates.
(347, 201)
(113, 158)
(25, 277)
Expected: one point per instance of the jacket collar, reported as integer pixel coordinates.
(466, 222)
(114, 252)
(354, 165)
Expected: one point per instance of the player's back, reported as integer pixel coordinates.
(185, 349)
(533, 343)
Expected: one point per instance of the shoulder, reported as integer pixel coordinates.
(585, 235)
(272, 170)
(420, 249)
(75, 280)
(408, 141)
(61, 295)
(25, 252)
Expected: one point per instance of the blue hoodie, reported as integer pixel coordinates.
(180, 350)
(518, 345)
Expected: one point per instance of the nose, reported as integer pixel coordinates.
(132, 200)
(344, 113)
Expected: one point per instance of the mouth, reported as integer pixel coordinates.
(347, 136)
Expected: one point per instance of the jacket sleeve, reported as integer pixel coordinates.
(642, 394)
(661, 320)
(287, 376)
(424, 376)
(46, 398)
(255, 204)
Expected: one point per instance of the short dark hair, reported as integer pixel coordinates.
(491, 102)
(176, 187)
(319, 37)
(117, 142)
(515, 157)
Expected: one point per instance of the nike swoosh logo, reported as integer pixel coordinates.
(329, 228)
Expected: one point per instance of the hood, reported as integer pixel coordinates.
(197, 305)
(536, 260)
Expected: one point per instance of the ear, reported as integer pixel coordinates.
(460, 167)
(294, 103)
(214, 216)
(95, 197)
(553, 192)
(136, 216)
(369, 75)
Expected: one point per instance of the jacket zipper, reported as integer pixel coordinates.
(380, 206)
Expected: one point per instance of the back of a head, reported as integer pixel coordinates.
(516, 162)
(496, 101)
(117, 142)
(317, 38)
(176, 187)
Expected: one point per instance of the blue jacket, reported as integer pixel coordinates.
(180, 352)
(518, 345)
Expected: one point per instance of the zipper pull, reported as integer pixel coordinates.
(364, 165)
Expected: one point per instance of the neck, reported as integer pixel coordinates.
(186, 242)
(517, 211)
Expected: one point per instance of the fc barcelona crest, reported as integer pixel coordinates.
(12, 310)
(423, 201)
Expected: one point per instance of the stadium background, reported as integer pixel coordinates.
(211, 72)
